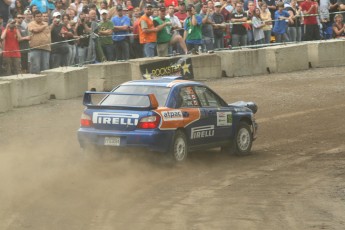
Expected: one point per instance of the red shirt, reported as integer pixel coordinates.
(181, 16)
(309, 20)
(11, 44)
(171, 2)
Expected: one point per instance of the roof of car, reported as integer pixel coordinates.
(163, 82)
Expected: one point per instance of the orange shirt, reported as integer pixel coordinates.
(146, 37)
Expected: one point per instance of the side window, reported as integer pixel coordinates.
(206, 97)
(187, 98)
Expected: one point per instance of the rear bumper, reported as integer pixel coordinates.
(155, 140)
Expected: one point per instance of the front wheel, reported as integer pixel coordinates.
(243, 140)
(179, 149)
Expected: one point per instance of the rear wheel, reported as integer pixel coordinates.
(243, 140)
(179, 150)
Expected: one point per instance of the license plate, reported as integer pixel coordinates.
(112, 141)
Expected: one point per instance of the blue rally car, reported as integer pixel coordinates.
(167, 115)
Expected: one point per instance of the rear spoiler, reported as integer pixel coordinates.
(87, 100)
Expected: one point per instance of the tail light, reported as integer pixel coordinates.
(85, 120)
(150, 122)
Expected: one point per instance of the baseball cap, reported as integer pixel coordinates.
(55, 14)
(104, 12)
(148, 6)
(162, 8)
(181, 3)
(130, 7)
(119, 7)
(217, 4)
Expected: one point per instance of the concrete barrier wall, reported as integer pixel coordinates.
(287, 58)
(5, 96)
(27, 89)
(136, 63)
(105, 76)
(66, 82)
(206, 66)
(236, 63)
(327, 53)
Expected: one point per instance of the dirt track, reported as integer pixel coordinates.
(294, 179)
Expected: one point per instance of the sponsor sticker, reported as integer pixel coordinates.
(224, 118)
(202, 132)
(115, 118)
(172, 115)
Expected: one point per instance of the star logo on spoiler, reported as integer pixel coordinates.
(147, 75)
(185, 68)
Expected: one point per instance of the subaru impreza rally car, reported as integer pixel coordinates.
(166, 115)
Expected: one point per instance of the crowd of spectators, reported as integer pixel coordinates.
(40, 34)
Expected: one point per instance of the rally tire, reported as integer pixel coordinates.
(179, 148)
(243, 140)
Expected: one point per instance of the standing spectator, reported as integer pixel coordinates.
(181, 14)
(167, 37)
(197, 5)
(105, 39)
(121, 30)
(5, 10)
(207, 29)
(271, 5)
(175, 21)
(42, 5)
(27, 18)
(92, 49)
(292, 30)
(45, 17)
(72, 43)
(218, 27)
(83, 29)
(24, 43)
(59, 48)
(192, 29)
(58, 8)
(239, 32)
(136, 51)
(163, 26)
(250, 13)
(11, 56)
(39, 44)
(147, 33)
(19, 7)
(281, 17)
(338, 26)
(258, 25)
(72, 15)
(266, 17)
(312, 31)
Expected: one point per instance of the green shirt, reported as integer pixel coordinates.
(105, 39)
(193, 32)
(164, 35)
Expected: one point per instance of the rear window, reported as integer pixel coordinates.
(160, 92)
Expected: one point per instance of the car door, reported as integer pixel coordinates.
(216, 114)
(198, 130)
